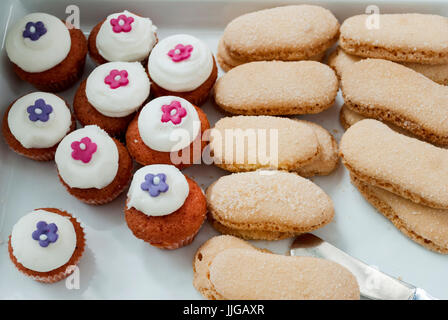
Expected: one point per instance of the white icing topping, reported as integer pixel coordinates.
(28, 251)
(166, 136)
(166, 202)
(43, 54)
(99, 171)
(134, 45)
(185, 75)
(39, 134)
(121, 101)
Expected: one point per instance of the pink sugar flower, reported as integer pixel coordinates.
(117, 79)
(173, 112)
(180, 52)
(83, 150)
(121, 24)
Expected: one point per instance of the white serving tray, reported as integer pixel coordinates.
(116, 265)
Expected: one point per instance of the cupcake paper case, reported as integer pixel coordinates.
(111, 95)
(182, 65)
(167, 126)
(93, 167)
(46, 244)
(45, 53)
(34, 124)
(164, 207)
(122, 36)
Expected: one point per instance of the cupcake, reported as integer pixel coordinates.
(168, 130)
(46, 244)
(93, 167)
(34, 124)
(46, 53)
(164, 207)
(182, 65)
(123, 36)
(111, 95)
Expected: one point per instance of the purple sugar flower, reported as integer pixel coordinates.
(39, 111)
(34, 30)
(45, 233)
(155, 184)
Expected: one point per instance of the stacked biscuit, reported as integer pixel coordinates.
(289, 33)
(404, 178)
(266, 196)
(226, 267)
(396, 74)
(402, 38)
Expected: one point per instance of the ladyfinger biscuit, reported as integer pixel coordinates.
(226, 62)
(418, 38)
(408, 167)
(247, 143)
(339, 60)
(231, 269)
(277, 88)
(348, 117)
(424, 225)
(256, 204)
(328, 158)
(287, 33)
(204, 257)
(388, 91)
(249, 234)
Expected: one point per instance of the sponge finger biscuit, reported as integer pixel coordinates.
(348, 117)
(277, 88)
(408, 167)
(388, 91)
(339, 60)
(231, 269)
(287, 33)
(246, 143)
(226, 62)
(328, 158)
(259, 203)
(424, 225)
(237, 143)
(399, 37)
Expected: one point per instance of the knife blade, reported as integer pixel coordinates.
(373, 283)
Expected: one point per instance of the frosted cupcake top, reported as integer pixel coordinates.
(158, 190)
(87, 158)
(38, 42)
(43, 241)
(125, 36)
(39, 120)
(180, 63)
(117, 89)
(168, 124)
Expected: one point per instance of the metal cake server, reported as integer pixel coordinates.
(373, 283)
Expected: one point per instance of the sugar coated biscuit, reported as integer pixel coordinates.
(424, 225)
(328, 158)
(339, 60)
(226, 62)
(228, 268)
(348, 117)
(277, 88)
(408, 167)
(397, 37)
(388, 91)
(262, 202)
(247, 143)
(286, 33)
